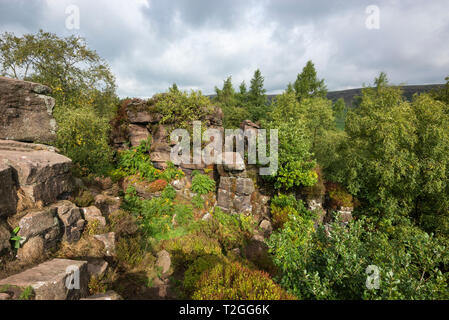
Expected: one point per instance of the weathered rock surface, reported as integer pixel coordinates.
(26, 111)
(32, 250)
(97, 267)
(5, 235)
(107, 204)
(108, 240)
(137, 133)
(71, 218)
(164, 262)
(234, 194)
(40, 222)
(92, 214)
(54, 280)
(8, 196)
(41, 173)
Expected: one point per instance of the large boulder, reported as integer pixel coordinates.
(40, 222)
(42, 174)
(58, 279)
(26, 111)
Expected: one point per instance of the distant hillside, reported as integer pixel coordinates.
(409, 91)
(348, 95)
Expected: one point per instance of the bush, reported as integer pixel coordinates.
(285, 206)
(83, 137)
(181, 107)
(332, 263)
(202, 184)
(158, 218)
(196, 269)
(189, 248)
(198, 202)
(169, 192)
(230, 230)
(232, 281)
(281, 215)
(338, 196)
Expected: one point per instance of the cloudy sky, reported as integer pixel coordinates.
(151, 44)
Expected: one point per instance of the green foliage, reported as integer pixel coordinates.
(169, 192)
(181, 107)
(307, 84)
(257, 99)
(188, 248)
(83, 137)
(196, 269)
(294, 158)
(137, 161)
(286, 207)
(233, 281)
(84, 199)
(234, 105)
(76, 73)
(27, 293)
(231, 231)
(393, 157)
(198, 201)
(16, 238)
(158, 218)
(202, 184)
(319, 266)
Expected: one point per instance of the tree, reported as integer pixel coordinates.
(307, 84)
(82, 85)
(394, 157)
(443, 94)
(295, 159)
(77, 74)
(242, 95)
(229, 101)
(257, 98)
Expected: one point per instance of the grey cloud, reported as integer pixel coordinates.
(198, 43)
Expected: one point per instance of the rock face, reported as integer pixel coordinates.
(138, 119)
(58, 279)
(26, 111)
(42, 174)
(5, 235)
(72, 222)
(235, 189)
(8, 196)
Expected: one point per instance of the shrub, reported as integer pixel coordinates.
(188, 248)
(202, 184)
(198, 201)
(171, 173)
(83, 137)
(332, 263)
(281, 215)
(338, 196)
(169, 192)
(181, 107)
(196, 269)
(284, 206)
(232, 281)
(230, 230)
